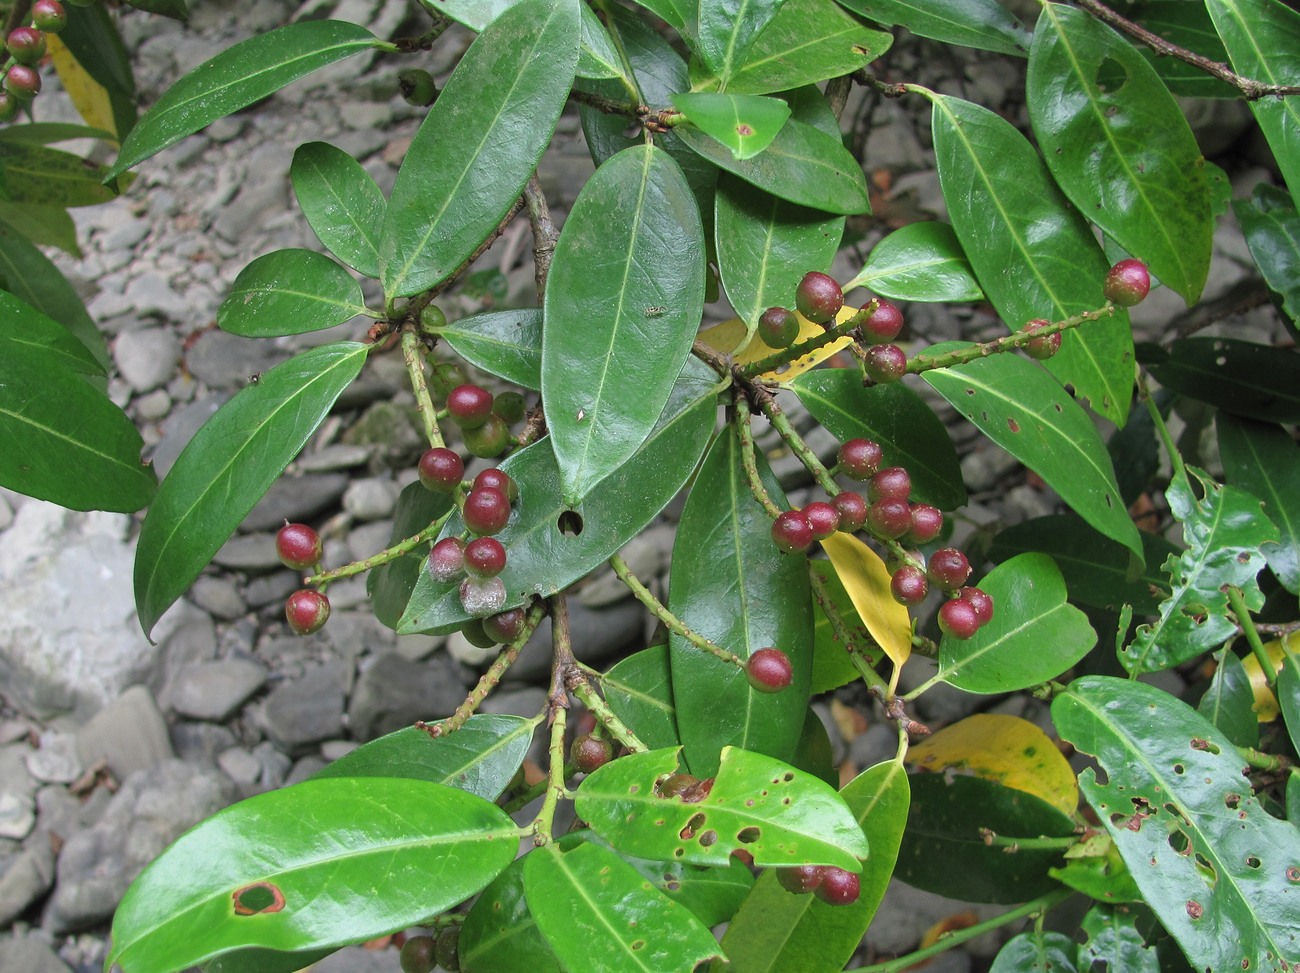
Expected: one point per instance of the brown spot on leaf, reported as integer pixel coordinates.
(744, 131)
(257, 898)
(1013, 425)
(1195, 909)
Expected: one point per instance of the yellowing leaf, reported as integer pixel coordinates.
(730, 335)
(866, 579)
(88, 95)
(1006, 750)
(1265, 702)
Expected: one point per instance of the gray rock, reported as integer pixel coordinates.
(295, 499)
(369, 539)
(14, 775)
(152, 808)
(151, 294)
(17, 815)
(129, 733)
(332, 750)
(193, 641)
(30, 956)
(225, 361)
(394, 692)
(331, 458)
(147, 358)
(215, 690)
(647, 556)
(306, 710)
(417, 647)
(154, 406)
(200, 742)
(373, 498)
(29, 876)
(240, 766)
(249, 552)
(125, 234)
(219, 597)
(597, 634)
(349, 593)
(272, 589)
(304, 768)
(60, 813)
(56, 762)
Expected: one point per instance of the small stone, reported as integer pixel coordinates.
(218, 597)
(249, 552)
(339, 456)
(240, 766)
(30, 956)
(28, 876)
(56, 761)
(303, 768)
(129, 733)
(225, 361)
(297, 499)
(124, 234)
(395, 692)
(371, 499)
(200, 742)
(332, 750)
(647, 556)
(272, 589)
(147, 358)
(152, 295)
(17, 815)
(14, 775)
(61, 813)
(306, 710)
(154, 406)
(215, 690)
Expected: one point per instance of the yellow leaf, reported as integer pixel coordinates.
(1006, 750)
(88, 95)
(728, 336)
(1265, 702)
(866, 579)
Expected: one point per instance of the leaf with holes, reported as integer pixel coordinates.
(1219, 871)
(867, 581)
(983, 24)
(290, 292)
(507, 344)
(1224, 531)
(919, 262)
(276, 875)
(342, 203)
(1247, 379)
(746, 124)
(1115, 940)
(780, 815)
(1264, 459)
(639, 690)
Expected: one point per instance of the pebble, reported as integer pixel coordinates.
(151, 295)
(56, 761)
(154, 406)
(336, 457)
(124, 234)
(226, 361)
(240, 766)
(17, 815)
(373, 498)
(249, 552)
(28, 876)
(218, 597)
(296, 499)
(394, 692)
(271, 589)
(306, 710)
(147, 358)
(129, 733)
(215, 690)
(62, 814)
(332, 750)
(200, 742)
(30, 956)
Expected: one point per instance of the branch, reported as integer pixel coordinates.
(544, 233)
(661, 612)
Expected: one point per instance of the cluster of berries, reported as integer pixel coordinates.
(25, 47)
(423, 954)
(484, 419)
(299, 547)
(834, 886)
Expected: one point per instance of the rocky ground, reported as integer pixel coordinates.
(109, 746)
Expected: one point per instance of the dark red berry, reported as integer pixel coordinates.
(485, 557)
(889, 517)
(818, 297)
(909, 585)
(957, 618)
(469, 406)
(885, 363)
(838, 887)
(769, 670)
(489, 440)
(892, 482)
(306, 611)
(792, 533)
(447, 559)
(509, 407)
(298, 546)
(590, 753)
(26, 44)
(481, 597)
(505, 626)
(23, 81)
(884, 324)
(1044, 347)
(859, 459)
(417, 87)
(852, 509)
(800, 879)
(927, 522)
(499, 480)
(980, 600)
(486, 510)
(447, 949)
(778, 327)
(825, 519)
(441, 470)
(417, 955)
(49, 16)
(948, 568)
(1128, 283)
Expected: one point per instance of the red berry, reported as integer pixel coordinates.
(485, 557)
(298, 546)
(891, 482)
(909, 585)
(769, 670)
(778, 327)
(818, 297)
(26, 44)
(948, 568)
(852, 509)
(486, 510)
(957, 618)
(927, 522)
(1044, 347)
(859, 458)
(825, 519)
(884, 324)
(469, 405)
(417, 955)
(792, 532)
(885, 363)
(306, 611)
(481, 597)
(441, 469)
(22, 81)
(447, 559)
(889, 517)
(838, 887)
(590, 753)
(49, 16)
(1128, 283)
(505, 626)
(801, 879)
(489, 440)
(499, 480)
(980, 600)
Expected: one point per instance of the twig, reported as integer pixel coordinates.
(766, 401)
(797, 351)
(544, 823)
(383, 557)
(922, 363)
(544, 233)
(1248, 629)
(605, 716)
(411, 354)
(747, 455)
(661, 612)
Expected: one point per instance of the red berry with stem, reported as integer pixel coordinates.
(909, 585)
(889, 518)
(885, 363)
(927, 523)
(838, 887)
(481, 597)
(893, 482)
(505, 626)
(306, 611)
(298, 546)
(884, 324)
(778, 327)
(980, 600)
(49, 16)
(1043, 347)
(1128, 283)
(957, 618)
(823, 516)
(499, 480)
(469, 406)
(486, 510)
(441, 470)
(23, 81)
(818, 297)
(859, 459)
(852, 509)
(417, 955)
(489, 440)
(948, 568)
(590, 753)
(769, 670)
(792, 533)
(485, 557)
(800, 879)
(26, 45)
(447, 559)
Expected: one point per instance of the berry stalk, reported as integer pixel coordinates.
(660, 611)
(411, 354)
(766, 402)
(747, 460)
(797, 351)
(1018, 339)
(383, 557)
(544, 823)
(861, 659)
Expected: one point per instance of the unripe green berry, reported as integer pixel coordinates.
(447, 949)
(417, 87)
(509, 406)
(432, 319)
(489, 440)
(477, 635)
(9, 106)
(446, 375)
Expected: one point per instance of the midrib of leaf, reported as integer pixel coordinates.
(309, 295)
(627, 690)
(59, 434)
(935, 13)
(757, 63)
(730, 52)
(600, 912)
(765, 262)
(508, 932)
(956, 668)
(497, 746)
(371, 243)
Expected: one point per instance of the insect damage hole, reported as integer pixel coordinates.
(569, 523)
(257, 898)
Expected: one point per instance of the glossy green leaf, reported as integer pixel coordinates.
(1032, 252)
(34, 175)
(227, 467)
(341, 202)
(25, 331)
(295, 869)
(765, 245)
(908, 431)
(481, 757)
(389, 585)
(983, 24)
(479, 143)
(623, 304)
(778, 814)
(776, 930)
(1217, 869)
(832, 666)
(1272, 228)
(1036, 951)
(813, 753)
(256, 960)
(44, 133)
(1224, 531)
(597, 912)
(1034, 635)
(500, 932)
(726, 30)
(681, 14)
(1120, 146)
(505, 343)
(802, 165)
(1263, 42)
(1288, 696)
(46, 226)
(1026, 412)
(1229, 702)
(544, 558)
(640, 692)
(1095, 868)
(732, 585)
(1189, 26)
(1247, 379)
(746, 124)
(1095, 568)
(919, 262)
(240, 75)
(1263, 459)
(290, 292)
(1115, 940)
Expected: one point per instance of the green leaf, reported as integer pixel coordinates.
(778, 814)
(1272, 228)
(34, 175)
(727, 29)
(1224, 531)
(500, 932)
(290, 292)
(481, 757)
(43, 133)
(227, 467)
(908, 431)
(1032, 252)
(1034, 634)
(1288, 696)
(765, 246)
(1120, 146)
(240, 75)
(479, 143)
(544, 558)
(341, 202)
(1115, 940)
(389, 585)
(505, 343)
(832, 665)
(296, 859)
(746, 124)
(919, 262)
(597, 912)
(1215, 867)
(1262, 459)
(1229, 703)
(1189, 26)
(1036, 951)
(26, 331)
(730, 584)
(813, 753)
(1247, 379)
(46, 226)
(778, 931)
(623, 304)
(802, 164)
(982, 24)
(1026, 412)
(1263, 42)
(640, 692)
